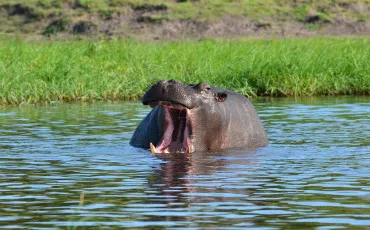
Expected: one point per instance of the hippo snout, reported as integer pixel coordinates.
(170, 91)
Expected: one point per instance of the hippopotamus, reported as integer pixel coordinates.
(197, 117)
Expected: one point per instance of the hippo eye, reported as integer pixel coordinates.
(204, 87)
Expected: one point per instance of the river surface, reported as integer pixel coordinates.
(68, 166)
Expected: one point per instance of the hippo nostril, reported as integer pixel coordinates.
(172, 81)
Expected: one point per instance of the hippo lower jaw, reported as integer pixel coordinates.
(176, 129)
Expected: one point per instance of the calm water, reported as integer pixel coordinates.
(68, 166)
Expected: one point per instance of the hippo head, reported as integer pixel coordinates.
(197, 117)
(187, 112)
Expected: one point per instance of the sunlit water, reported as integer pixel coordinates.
(70, 166)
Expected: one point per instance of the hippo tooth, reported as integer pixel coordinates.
(190, 147)
(152, 148)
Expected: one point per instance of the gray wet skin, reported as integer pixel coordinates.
(219, 118)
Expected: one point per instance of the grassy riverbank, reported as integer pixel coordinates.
(45, 71)
(176, 19)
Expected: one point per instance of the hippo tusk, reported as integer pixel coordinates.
(152, 148)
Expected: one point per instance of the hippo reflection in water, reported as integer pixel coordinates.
(197, 117)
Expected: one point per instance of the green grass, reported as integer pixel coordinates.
(46, 71)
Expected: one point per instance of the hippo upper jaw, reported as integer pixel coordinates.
(171, 91)
(177, 129)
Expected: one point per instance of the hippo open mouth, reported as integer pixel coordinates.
(176, 128)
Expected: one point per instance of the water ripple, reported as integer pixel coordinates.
(71, 166)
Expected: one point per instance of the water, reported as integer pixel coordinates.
(68, 166)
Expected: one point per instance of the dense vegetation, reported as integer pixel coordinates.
(45, 71)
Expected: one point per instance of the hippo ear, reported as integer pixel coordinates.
(221, 96)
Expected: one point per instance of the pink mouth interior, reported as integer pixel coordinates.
(176, 129)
